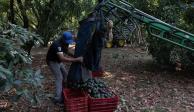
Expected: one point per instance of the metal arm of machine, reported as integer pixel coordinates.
(155, 27)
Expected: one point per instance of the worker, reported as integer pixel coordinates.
(109, 30)
(56, 55)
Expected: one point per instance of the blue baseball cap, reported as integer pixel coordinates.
(67, 37)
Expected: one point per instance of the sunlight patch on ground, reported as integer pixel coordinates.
(107, 75)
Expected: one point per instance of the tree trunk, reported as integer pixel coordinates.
(12, 13)
(24, 15)
(28, 45)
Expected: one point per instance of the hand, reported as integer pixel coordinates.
(80, 59)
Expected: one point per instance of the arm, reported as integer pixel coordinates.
(69, 59)
(70, 51)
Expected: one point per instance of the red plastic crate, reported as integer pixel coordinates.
(103, 104)
(97, 73)
(75, 100)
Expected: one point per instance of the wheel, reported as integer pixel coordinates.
(108, 44)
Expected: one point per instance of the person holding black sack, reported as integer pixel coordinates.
(55, 58)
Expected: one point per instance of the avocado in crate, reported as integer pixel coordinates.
(101, 98)
(97, 88)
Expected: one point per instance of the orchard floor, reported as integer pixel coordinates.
(141, 85)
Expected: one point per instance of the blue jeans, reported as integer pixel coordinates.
(60, 73)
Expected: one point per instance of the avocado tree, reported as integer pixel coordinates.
(14, 73)
(45, 17)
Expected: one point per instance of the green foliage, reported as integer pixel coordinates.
(185, 57)
(189, 16)
(159, 49)
(187, 1)
(13, 73)
(147, 6)
(4, 5)
(55, 15)
(47, 17)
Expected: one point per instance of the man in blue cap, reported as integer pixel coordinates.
(55, 58)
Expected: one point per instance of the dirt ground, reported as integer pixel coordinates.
(141, 85)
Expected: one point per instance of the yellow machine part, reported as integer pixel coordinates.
(109, 44)
(121, 42)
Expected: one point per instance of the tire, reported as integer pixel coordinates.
(108, 44)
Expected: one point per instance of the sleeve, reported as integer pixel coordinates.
(58, 48)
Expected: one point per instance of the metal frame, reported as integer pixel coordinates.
(175, 35)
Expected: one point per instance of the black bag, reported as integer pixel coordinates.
(89, 45)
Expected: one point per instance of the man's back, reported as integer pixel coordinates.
(55, 47)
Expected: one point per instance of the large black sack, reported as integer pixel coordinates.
(85, 33)
(89, 45)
